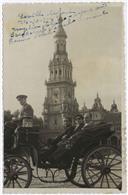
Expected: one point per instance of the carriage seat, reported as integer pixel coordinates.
(98, 129)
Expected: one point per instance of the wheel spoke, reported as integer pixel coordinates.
(22, 173)
(79, 178)
(18, 183)
(102, 156)
(20, 168)
(107, 158)
(115, 169)
(95, 174)
(6, 179)
(113, 180)
(9, 183)
(115, 159)
(102, 181)
(115, 175)
(78, 172)
(13, 183)
(112, 159)
(107, 181)
(92, 168)
(90, 176)
(115, 164)
(22, 179)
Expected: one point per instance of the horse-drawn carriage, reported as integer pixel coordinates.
(86, 163)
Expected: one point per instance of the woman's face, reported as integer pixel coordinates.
(79, 120)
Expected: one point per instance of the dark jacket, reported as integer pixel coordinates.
(77, 129)
(63, 144)
(66, 134)
(79, 132)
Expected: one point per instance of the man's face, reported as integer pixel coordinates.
(66, 122)
(78, 120)
(22, 101)
(87, 118)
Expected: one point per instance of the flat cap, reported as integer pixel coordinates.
(21, 97)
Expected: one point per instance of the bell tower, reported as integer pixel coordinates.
(60, 100)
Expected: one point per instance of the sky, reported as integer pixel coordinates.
(95, 47)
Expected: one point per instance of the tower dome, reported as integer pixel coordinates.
(97, 103)
(114, 107)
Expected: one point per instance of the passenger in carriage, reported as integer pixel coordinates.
(64, 142)
(68, 131)
(79, 123)
(53, 144)
(87, 119)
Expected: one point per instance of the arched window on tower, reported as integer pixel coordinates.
(60, 72)
(55, 121)
(68, 74)
(65, 74)
(57, 46)
(55, 74)
(57, 60)
(64, 47)
(51, 73)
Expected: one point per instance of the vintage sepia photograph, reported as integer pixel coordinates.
(63, 96)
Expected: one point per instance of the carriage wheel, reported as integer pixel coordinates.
(101, 168)
(17, 172)
(74, 173)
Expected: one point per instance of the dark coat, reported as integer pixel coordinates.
(9, 129)
(66, 134)
(80, 132)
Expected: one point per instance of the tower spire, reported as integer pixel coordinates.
(60, 18)
(60, 11)
(60, 31)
